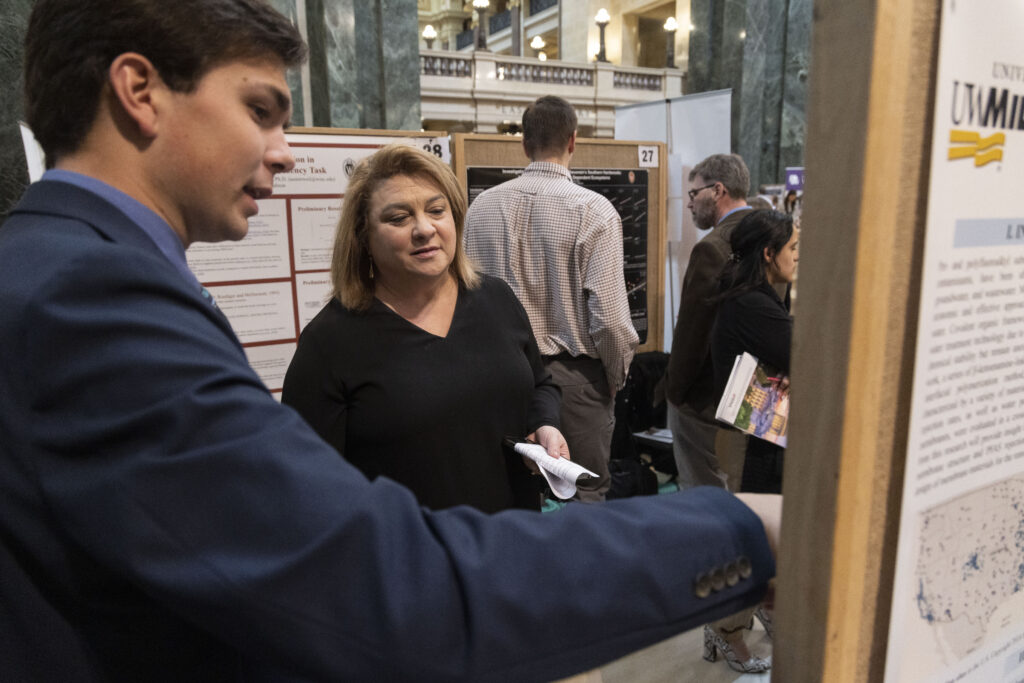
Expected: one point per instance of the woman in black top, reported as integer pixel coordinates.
(419, 366)
(753, 318)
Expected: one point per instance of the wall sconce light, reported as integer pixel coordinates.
(428, 35)
(602, 20)
(538, 44)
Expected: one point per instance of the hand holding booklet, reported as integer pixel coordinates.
(756, 401)
(560, 473)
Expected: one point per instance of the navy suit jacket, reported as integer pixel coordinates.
(162, 517)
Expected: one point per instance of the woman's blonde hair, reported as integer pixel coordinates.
(350, 264)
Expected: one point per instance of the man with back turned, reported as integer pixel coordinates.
(559, 247)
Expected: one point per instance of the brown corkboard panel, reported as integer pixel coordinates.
(475, 151)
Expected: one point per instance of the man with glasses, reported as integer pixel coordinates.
(717, 200)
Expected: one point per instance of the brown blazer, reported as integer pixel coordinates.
(689, 379)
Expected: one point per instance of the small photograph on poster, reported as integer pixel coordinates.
(262, 255)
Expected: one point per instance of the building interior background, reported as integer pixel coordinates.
(376, 64)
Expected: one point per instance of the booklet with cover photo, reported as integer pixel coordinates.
(756, 400)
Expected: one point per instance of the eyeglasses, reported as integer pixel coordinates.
(696, 191)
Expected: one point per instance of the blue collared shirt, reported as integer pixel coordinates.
(158, 230)
(738, 208)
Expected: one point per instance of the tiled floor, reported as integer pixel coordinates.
(678, 660)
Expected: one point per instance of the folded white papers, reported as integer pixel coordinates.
(561, 474)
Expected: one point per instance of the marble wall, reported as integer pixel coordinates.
(760, 49)
(290, 9)
(13, 171)
(364, 63)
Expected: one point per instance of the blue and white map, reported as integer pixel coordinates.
(970, 565)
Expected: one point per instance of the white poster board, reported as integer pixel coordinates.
(958, 591)
(693, 127)
(273, 282)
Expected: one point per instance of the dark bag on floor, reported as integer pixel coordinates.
(631, 478)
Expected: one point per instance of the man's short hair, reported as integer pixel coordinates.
(548, 124)
(70, 45)
(727, 169)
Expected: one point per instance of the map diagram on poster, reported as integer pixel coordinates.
(970, 564)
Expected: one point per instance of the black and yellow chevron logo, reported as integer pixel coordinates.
(969, 144)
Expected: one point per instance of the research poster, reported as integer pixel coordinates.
(958, 591)
(626, 189)
(273, 282)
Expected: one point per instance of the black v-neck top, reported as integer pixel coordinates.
(429, 412)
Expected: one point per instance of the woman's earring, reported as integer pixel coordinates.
(371, 267)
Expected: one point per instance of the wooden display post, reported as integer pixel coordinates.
(479, 159)
(903, 484)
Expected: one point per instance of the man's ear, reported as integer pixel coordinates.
(134, 81)
(572, 143)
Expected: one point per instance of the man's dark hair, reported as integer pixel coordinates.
(548, 124)
(70, 45)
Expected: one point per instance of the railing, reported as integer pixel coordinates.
(456, 67)
(635, 81)
(483, 90)
(500, 21)
(464, 39)
(535, 73)
(538, 6)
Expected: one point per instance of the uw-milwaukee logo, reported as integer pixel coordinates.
(978, 106)
(971, 145)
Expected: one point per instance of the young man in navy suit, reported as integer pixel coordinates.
(162, 517)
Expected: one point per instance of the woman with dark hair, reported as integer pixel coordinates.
(753, 318)
(419, 366)
(789, 204)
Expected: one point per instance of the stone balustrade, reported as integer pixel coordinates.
(483, 91)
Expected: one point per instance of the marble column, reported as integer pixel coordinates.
(758, 49)
(364, 63)
(761, 103)
(793, 124)
(294, 76)
(13, 169)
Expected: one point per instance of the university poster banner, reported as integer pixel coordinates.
(958, 593)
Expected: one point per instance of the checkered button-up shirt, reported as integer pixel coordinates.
(559, 246)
